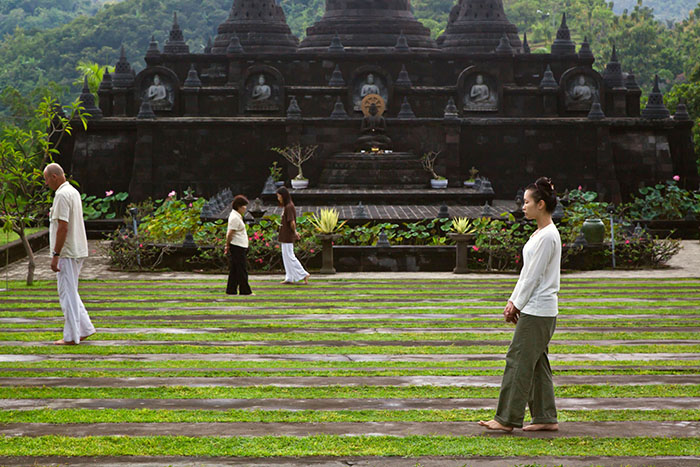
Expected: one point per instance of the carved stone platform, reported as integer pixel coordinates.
(373, 171)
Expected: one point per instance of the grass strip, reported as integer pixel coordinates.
(301, 373)
(334, 392)
(335, 446)
(399, 349)
(191, 364)
(68, 416)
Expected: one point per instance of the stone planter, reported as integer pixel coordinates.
(439, 184)
(593, 230)
(279, 183)
(327, 252)
(469, 185)
(299, 184)
(462, 251)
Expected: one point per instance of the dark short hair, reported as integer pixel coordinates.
(543, 190)
(286, 196)
(239, 201)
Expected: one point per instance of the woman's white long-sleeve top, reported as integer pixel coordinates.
(536, 291)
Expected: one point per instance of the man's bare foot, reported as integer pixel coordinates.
(494, 425)
(542, 427)
(82, 338)
(62, 342)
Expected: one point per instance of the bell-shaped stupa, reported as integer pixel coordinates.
(260, 25)
(368, 24)
(477, 26)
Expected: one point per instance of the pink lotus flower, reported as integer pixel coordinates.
(580, 188)
(189, 205)
(109, 193)
(677, 178)
(627, 242)
(171, 194)
(312, 251)
(140, 245)
(267, 244)
(475, 248)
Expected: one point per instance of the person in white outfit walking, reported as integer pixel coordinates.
(294, 272)
(69, 249)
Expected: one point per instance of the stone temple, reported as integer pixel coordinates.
(476, 94)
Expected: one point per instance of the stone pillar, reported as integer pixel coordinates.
(105, 102)
(550, 102)
(453, 128)
(633, 103)
(606, 180)
(120, 102)
(141, 184)
(617, 102)
(191, 98)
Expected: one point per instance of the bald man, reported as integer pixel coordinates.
(69, 249)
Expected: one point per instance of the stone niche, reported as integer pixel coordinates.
(159, 86)
(370, 80)
(578, 86)
(262, 91)
(479, 91)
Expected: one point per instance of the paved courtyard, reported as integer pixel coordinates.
(365, 370)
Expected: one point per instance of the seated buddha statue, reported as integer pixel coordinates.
(373, 132)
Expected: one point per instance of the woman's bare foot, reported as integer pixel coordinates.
(306, 279)
(494, 425)
(286, 283)
(542, 427)
(82, 338)
(62, 342)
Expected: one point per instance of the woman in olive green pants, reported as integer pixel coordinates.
(533, 307)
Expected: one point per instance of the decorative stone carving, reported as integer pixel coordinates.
(158, 91)
(262, 92)
(366, 84)
(580, 92)
(481, 93)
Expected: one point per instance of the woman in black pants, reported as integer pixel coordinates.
(236, 248)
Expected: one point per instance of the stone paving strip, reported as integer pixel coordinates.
(358, 330)
(686, 429)
(347, 381)
(480, 461)
(223, 357)
(597, 403)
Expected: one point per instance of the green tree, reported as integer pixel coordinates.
(26, 146)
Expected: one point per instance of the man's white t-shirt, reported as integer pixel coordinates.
(67, 206)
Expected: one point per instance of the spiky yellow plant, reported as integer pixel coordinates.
(327, 222)
(463, 225)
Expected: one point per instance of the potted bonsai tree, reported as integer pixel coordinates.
(297, 155)
(462, 233)
(471, 181)
(327, 226)
(428, 161)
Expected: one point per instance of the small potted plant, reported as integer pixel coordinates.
(471, 181)
(428, 161)
(297, 155)
(462, 233)
(327, 226)
(276, 174)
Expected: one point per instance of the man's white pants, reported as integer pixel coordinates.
(293, 270)
(78, 322)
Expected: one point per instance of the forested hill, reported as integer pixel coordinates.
(54, 35)
(664, 10)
